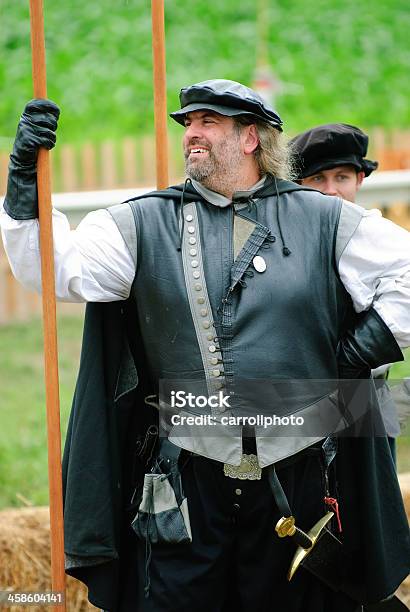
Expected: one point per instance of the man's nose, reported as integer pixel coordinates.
(330, 188)
(193, 130)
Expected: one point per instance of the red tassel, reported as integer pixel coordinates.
(332, 502)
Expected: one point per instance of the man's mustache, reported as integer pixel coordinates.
(196, 142)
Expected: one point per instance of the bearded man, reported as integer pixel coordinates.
(237, 275)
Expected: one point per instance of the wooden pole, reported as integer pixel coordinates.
(160, 92)
(262, 27)
(49, 314)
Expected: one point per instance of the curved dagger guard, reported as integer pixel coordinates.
(313, 535)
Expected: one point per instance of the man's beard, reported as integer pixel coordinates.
(220, 165)
(201, 170)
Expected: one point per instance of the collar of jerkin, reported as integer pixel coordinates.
(220, 200)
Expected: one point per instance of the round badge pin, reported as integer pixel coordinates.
(259, 263)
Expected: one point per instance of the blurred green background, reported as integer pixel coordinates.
(335, 61)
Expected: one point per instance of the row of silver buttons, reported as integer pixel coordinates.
(206, 323)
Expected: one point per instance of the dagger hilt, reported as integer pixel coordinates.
(286, 527)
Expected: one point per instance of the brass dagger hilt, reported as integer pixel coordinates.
(286, 527)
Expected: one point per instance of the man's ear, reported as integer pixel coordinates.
(250, 139)
(360, 177)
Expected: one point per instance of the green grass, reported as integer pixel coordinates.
(23, 445)
(23, 442)
(336, 61)
(398, 372)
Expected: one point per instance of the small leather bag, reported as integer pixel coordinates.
(163, 512)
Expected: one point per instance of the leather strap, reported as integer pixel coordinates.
(300, 538)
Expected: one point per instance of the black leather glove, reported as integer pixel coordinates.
(369, 344)
(36, 129)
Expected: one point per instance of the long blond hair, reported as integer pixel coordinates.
(272, 154)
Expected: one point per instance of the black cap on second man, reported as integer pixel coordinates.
(227, 98)
(331, 145)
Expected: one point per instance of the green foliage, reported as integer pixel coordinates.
(23, 439)
(339, 61)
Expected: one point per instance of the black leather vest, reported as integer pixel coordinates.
(286, 323)
(281, 324)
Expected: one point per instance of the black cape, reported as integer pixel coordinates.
(101, 470)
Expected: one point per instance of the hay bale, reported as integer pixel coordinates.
(403, 592)
(25, 558)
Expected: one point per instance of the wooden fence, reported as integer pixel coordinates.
(131, 161)
(18, 304)
(390, 149)
(107, 165)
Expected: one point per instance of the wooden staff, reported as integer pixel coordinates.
(160, 92)
(49, 313)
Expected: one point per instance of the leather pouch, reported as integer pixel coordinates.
(163, 512)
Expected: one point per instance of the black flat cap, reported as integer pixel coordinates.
(227, 98)
(329, 146)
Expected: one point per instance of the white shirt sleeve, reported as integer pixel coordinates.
(92, 263)
(375, 270)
